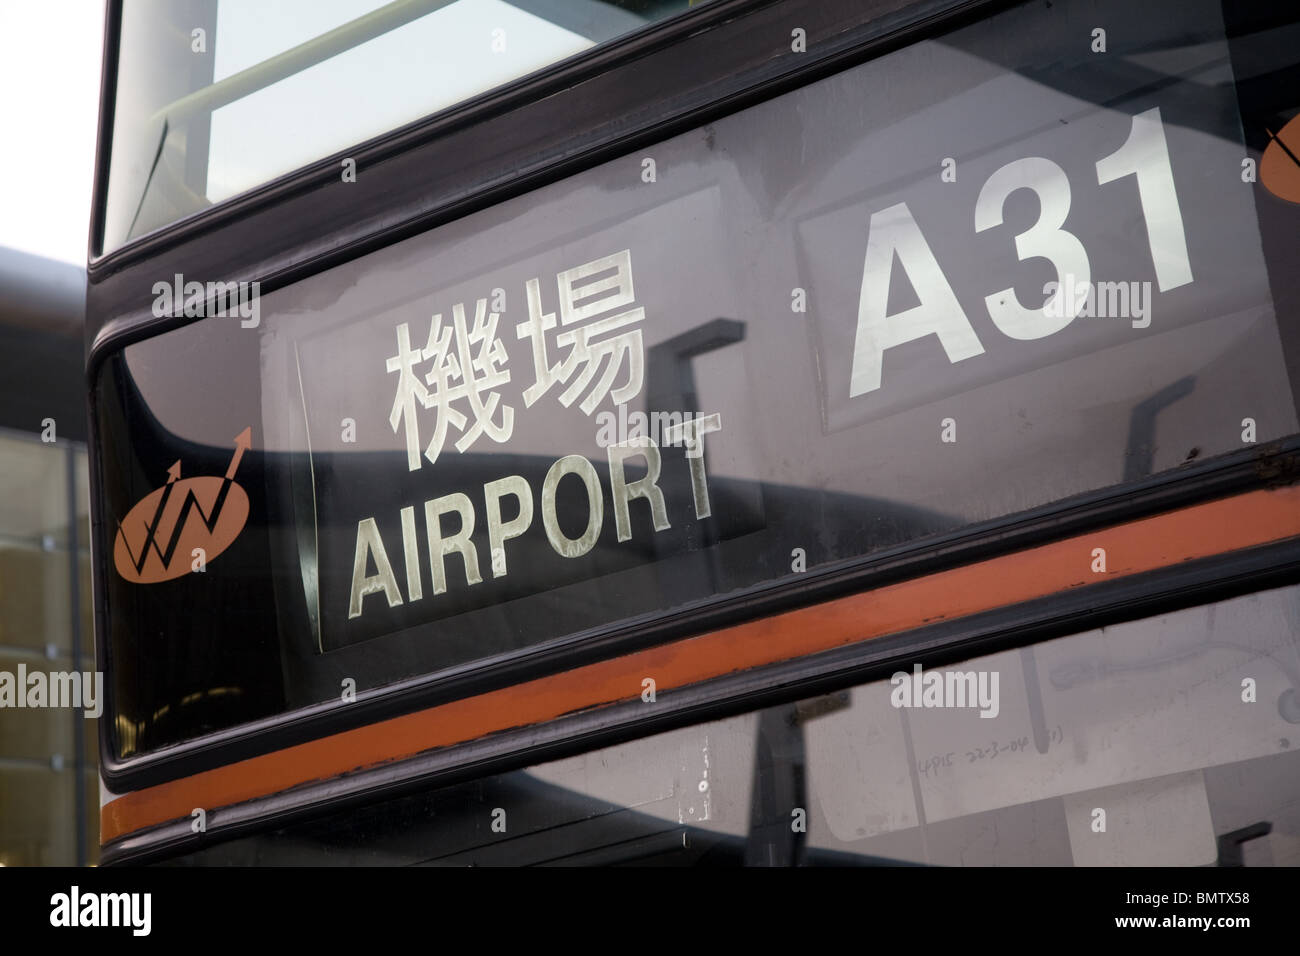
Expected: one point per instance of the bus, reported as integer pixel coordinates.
(652, 432)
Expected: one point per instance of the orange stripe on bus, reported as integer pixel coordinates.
(1215, 527)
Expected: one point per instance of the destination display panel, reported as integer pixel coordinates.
(978, 275)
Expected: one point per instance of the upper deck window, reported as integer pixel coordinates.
(215, 97)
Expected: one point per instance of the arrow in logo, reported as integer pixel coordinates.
(243, 441)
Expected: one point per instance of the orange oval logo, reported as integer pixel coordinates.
(1279, 168)
(181, 526)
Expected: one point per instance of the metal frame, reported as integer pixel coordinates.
(679, 74)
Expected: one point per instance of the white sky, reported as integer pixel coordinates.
(50, 54)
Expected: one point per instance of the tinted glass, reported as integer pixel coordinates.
(215, 98)
(1181, 729)
(462, 446)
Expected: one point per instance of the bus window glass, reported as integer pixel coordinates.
(795, 338)
(1180, 729)
(216, 98)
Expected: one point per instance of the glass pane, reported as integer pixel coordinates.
(33, 494)
(37, 815)
(473, 442)
(35, 618)
(87, 608)
(40, 688)
(216, 98)
(1181, 727)
(82, 485)
(35, 734)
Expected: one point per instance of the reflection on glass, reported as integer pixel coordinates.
(46, 816)
(1183, 728)
(873, 340)
(216, 98)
